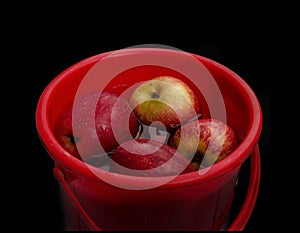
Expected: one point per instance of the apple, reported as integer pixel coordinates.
(211, 139)
(135, 157)
(164, 99)
(108, 120)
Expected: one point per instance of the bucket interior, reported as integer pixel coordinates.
(236, 101)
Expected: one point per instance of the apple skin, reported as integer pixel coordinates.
(94, 125)
(146, 154)
(221, 138)
(164, 99)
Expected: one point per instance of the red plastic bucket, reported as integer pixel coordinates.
(188, 202)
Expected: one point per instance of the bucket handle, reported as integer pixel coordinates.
(79, 208)
(248, 206)
(237, 225)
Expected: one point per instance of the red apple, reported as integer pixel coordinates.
(211, 138)
(108, 120)
(164, 99)
(141, 154)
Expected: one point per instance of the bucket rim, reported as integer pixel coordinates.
(64, 159)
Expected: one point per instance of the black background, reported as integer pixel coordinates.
(54, 52)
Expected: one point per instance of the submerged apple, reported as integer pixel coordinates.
(164, 99)
(136, 157)
(108, 120)
(212, 138)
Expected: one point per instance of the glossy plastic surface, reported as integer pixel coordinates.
(190, 201)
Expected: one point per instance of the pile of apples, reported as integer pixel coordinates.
(160, 120)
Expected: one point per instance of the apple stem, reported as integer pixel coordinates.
(198, 116)
(155, 95)
(102, 155)
(140, 130)
(73, 139)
